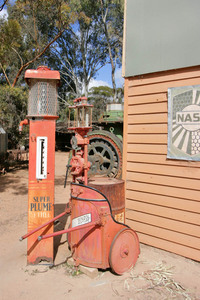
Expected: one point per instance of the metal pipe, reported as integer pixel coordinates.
(85, 164)
(43, 225)
(42, 237)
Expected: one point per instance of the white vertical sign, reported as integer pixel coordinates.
(41, 158)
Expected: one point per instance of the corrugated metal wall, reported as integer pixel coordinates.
(162, 195)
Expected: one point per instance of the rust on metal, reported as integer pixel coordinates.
(41, 192)
(114, 190)
(97, 234)
(42, 114)
(124, 251)
(105, 153)
(42, 72)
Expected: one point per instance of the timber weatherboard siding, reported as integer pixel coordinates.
(162, 195)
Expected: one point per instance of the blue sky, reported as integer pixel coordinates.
(104, 77)
(4, 11)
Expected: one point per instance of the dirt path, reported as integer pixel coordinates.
(157, 274)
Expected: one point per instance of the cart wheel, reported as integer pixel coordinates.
(124, 251)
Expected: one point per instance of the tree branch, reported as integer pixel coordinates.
(68, 84)
(4, 72)
(36, 57)
(2, 6)
(18, 55)
(66, 103)
(66, 59)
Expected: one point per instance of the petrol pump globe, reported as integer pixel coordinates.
(82, 112)
(43, 84)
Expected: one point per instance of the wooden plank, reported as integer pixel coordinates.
(167, 201)
(147, 138)
(125, 130)
(169, 235)
(160, 159)
(148, 118)
(165, 76)
(174, 225)
(170, 246)
(147, 128)
(147, 149)
(163, 190)
(168, 170)
(186, 183)
(141, 99)
(150, 108)
(165, 212)
(161, 87)
(167, 245)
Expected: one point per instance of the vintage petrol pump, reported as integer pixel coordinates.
(42, 115)
(81, 125)
(95, 237)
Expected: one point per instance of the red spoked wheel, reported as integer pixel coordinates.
(124, 251)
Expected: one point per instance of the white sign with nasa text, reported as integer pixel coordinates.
(184, 123)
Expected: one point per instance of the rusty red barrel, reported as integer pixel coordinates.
(114, 190)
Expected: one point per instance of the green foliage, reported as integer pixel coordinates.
(76, 37)
(112, 22)
(39, 23)
(10, 36)
(101, 91)
(99, 97)
(10, 43)
(13, 108)
(113, 11)
(63, 111)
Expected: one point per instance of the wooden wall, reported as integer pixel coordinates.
(162, 195)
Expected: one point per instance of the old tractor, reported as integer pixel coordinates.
(105, 148)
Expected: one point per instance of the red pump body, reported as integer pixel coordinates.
(41, 118)
(41, 192)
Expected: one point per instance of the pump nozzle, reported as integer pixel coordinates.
(22, 123)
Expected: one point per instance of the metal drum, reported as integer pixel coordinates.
(113, 189)
(96, 239)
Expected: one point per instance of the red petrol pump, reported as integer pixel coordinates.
(42, 115)
(95, 237)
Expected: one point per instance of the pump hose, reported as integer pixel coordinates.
(68, 166)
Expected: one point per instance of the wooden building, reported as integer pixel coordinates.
(161, 51)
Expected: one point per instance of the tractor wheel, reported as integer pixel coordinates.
(105, 154)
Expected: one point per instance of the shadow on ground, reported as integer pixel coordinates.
(60, 224)
(60, 180)
(14, 182)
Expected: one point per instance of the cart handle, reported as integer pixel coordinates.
(67, 211)
(91, 224)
